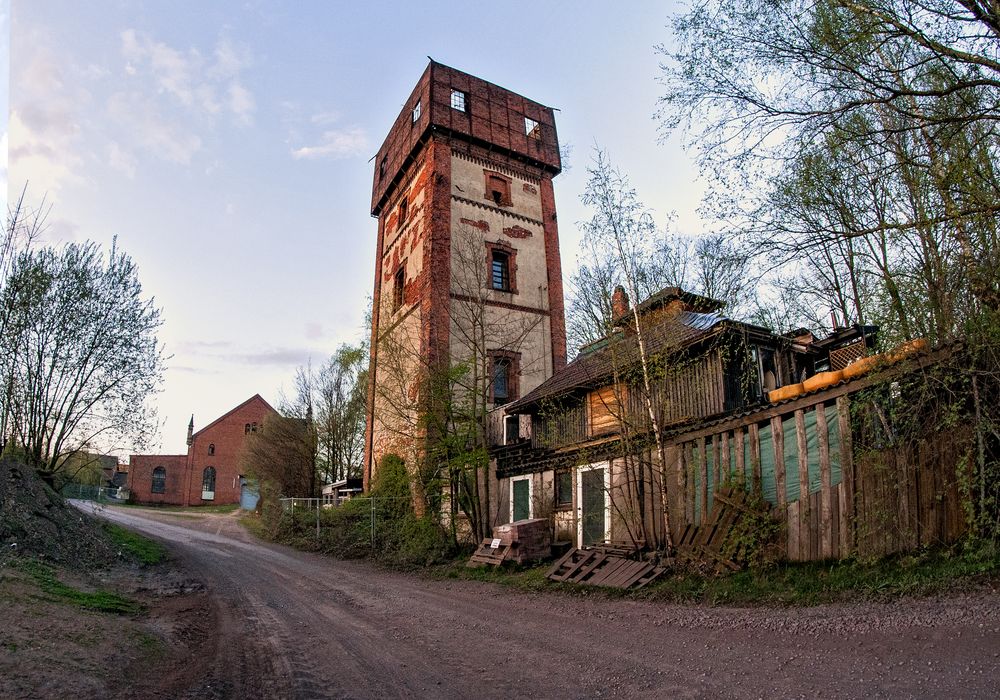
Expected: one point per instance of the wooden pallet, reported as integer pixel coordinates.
(713, 542)
(487, 555)
(598, 567)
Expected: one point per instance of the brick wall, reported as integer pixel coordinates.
(140, 478)
(226, 436)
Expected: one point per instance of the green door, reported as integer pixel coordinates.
(522, 500)
(593, 505)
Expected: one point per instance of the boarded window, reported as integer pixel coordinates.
(605, 409)
(159, 480)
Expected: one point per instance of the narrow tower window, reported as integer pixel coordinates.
(211, 449)
(416, 112)
(397, 289)
(404, 207)
(500, 270)
(501, 379)
(532, 129)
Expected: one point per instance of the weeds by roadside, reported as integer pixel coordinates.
(144, 549)
(103, 601)
(813, 583)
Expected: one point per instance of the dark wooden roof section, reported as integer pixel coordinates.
(493, 118)
(597, 362)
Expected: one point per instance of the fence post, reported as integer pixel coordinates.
(317, 517)
(373, 524)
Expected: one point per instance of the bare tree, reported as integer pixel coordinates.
(618, 228)
(341, 396)
(80, 340)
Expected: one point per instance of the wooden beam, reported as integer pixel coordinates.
(755, 455)
(778, 441)
(848, 528)
(703, 485)
(740, 466)
(803, 445)
(826, 485)
(727, 464)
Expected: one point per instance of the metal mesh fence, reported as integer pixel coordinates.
(367, 515)
(101, 494)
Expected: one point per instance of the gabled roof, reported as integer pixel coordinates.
(693, 302)
(255, 397)
(598, 361)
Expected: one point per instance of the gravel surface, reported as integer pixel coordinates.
(284, 623)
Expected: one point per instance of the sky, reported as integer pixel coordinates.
(228, 146)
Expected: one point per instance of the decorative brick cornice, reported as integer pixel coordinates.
(503, 168)
(501, 210)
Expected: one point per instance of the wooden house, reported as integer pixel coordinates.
(734, 403)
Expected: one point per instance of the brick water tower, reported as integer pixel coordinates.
(467, 266)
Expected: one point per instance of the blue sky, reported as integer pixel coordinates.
(227, 146)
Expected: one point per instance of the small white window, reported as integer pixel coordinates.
(416, 112)
(458, 100)
(531, 128)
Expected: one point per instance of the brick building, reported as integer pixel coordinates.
(210, 472)
(467, 266)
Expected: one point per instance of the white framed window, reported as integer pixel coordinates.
(416, 112)
(593, 504)
(521, 498)
(457, 100)
(531, 128)
(208, 484)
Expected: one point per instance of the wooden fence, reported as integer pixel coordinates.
(833, 497)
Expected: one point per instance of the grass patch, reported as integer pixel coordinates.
(811, 583)
(142, 548)
(103, 601)
(223, 509)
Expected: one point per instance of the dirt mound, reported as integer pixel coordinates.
(36, 521)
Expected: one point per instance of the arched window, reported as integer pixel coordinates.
(246, 429)
(211, 449)
(208, 484)
(159, 480)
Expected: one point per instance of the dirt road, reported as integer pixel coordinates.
(285, 624)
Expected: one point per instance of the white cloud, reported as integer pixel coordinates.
(241, 102)
(44, 122)
(121, 160)
(149, 129)
(334, 144)
(205, 87)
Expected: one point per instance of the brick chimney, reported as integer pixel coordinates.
(619, 303)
